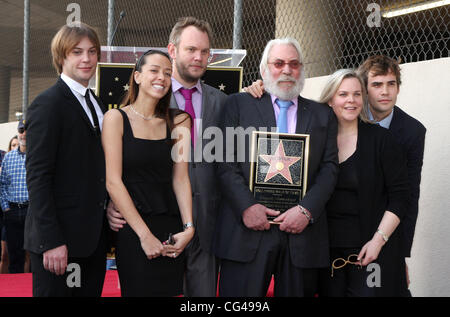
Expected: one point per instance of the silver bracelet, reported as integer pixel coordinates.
(188, 225)
(385, 237)
(303, 211)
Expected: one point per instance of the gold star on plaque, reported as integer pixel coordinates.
(110, 93)
(279, 163)
(126, 87)
(222, 87)
(116, 79)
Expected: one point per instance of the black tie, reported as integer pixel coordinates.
(93, 112)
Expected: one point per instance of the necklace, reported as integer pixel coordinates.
(141, 115)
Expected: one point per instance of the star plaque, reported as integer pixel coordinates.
(278, 172)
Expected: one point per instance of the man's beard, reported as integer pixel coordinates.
(271, 86)
(183, 72)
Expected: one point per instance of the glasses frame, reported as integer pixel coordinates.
(283, 63)
(348, 261)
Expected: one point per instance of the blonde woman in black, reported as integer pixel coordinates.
(369, 199)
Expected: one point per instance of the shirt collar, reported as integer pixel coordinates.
(176, 85)
(17, 151)
(386, 122)
(294, 101)
(74, 85)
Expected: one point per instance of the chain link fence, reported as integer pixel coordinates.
(333, 33)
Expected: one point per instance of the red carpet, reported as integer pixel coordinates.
(20, 285)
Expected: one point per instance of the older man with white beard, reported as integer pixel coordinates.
(251, 249)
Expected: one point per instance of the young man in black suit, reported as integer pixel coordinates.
(251, 249)
(66, 173)
(382, 77)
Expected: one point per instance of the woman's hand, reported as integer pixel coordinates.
(371, 250)
(151, 246)
(181, 239)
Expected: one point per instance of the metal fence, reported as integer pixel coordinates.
(333, 33)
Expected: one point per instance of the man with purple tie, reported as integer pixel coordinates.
(189, 47)
(250, 248)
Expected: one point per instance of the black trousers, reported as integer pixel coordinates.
(14, 221)
(252, 279)
(92, 271)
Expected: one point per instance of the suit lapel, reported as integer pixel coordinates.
(100, 103)
(265, 109)
(208, 107)
(303, 116)
(173, 102)
(267, 113)
(396, 125)
(73, 102)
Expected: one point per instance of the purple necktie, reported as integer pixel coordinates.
(189, 108)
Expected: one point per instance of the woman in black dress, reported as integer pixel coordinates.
(147, 179)
(368, 202)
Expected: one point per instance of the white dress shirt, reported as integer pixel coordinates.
(79, 91)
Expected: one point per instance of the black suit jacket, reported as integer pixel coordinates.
(410, 134)
(233, 240)
(65, 175)
(383, 185)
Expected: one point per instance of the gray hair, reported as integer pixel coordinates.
(333, 83)
(287, 40)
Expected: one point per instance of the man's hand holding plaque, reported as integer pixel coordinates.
(278, 176)
(292, 220)
(255, 217)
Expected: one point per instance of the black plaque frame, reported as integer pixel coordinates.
(279, 169)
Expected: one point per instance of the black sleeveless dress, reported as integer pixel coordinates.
(147, 175)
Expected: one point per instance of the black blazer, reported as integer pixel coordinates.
(65, 175)
(410, 134)
(233, 240)
(383, 185)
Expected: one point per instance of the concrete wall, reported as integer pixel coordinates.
(299, 19)
(7, 131)
(36, 86)
(425, 95)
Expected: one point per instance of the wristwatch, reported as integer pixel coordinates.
(303, 211)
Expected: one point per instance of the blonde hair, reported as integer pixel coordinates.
(335, 80)
(67, 38)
